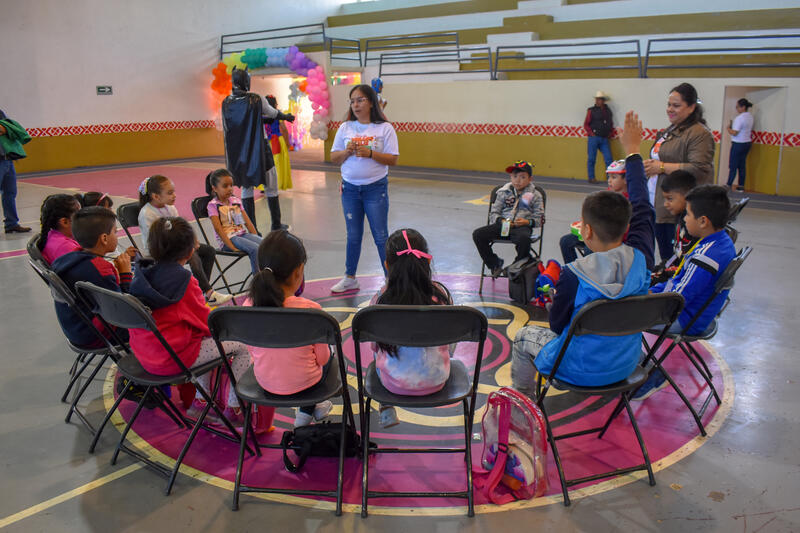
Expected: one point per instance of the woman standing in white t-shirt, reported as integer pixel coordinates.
(741, 129)
(365, 146)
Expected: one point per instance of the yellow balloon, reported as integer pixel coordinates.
(234, 60)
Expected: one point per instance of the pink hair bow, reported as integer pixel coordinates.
(418, 254)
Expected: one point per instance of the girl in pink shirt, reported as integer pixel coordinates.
(282, 258)
(56, 219)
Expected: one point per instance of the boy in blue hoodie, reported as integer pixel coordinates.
(95, 230)
(618, 267)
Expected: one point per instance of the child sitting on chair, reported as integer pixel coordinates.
(94, 228)
(614, 270)
(180, 312)
(517, 209)
(407, 370)
(232, 226)
(286, 371)
(675, 187)
(56, 237)
(571, 243)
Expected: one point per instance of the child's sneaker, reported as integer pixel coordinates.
(388, 417)
(216, 298)
(345, 284)
(654, 383)
(322, 409)
(302, 419)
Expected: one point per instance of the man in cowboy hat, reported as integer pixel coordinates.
(599, 125)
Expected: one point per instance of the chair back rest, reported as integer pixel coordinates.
(128, 215)
(419, 325)
(274, 327)
(725, 281)
(544, 195)
(61, 293)
(200, 211)
(626, 316)
(33, 248)
(736, 208)
(40, 266)
(116, 308)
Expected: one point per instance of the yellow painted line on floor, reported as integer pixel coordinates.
(483, 200)
(61, 498)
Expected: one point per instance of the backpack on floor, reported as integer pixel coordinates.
(522, 276)
(514, 448)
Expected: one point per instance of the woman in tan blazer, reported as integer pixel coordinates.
(687, 144)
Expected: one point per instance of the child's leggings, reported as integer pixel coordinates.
(239, 363)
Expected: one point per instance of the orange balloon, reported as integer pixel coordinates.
(303, 85)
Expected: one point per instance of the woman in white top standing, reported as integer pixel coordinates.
(365, 145)
(741, 129)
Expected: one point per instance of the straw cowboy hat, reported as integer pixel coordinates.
(601, 94)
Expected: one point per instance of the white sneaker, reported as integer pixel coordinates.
(302, 419)
(345, 284)
(217, 298)
(322, 410)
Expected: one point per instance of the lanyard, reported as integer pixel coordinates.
(683, 259)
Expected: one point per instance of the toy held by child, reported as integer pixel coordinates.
(517, 209)
(157, 200)
(94, 228)
(56, 234)
(232, 226)
(407, 370)
(618, 267)
(286, 371)
(179, 311)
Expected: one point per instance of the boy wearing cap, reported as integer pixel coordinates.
(569, 243)
(599, 124)
(517, 209)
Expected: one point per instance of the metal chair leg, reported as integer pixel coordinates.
(106, 419)
(365, 459)
(556, 456)
(640, 439)
(468, 457)
(238, 480)
(340, 470)
(84, 386)
(130, 424)
(185, 449)
(76, 376)
(617, 410)
(483, 274)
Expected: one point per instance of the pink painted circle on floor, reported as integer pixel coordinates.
(668, 428)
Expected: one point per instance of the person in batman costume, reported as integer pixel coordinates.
(247, 154)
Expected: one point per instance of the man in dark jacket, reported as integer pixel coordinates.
(8, 175)
(246, 149)
(599, 125)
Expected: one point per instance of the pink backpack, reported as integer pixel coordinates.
(514, 448)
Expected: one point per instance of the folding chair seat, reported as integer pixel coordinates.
(288, 328)
(200, 211)
(128, 216)
(537, 234)
(420, 326)
(684, 341)
(125, 311)
(609, 318)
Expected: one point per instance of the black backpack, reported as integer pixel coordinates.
(319, 440)
(522, 276)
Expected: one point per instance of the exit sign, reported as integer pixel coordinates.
(103, 89)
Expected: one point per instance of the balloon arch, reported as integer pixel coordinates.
(315, 85)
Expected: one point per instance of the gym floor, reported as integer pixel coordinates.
(745, 477)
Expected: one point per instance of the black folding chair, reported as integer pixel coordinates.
(684, 341)
(125, 311)
(62, 294)
(200, 211)
(288, 328)
(128, 216)
(609, 318)
(536, 235)
(422, 326)
(33, 249)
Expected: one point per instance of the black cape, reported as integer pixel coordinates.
(247, 154)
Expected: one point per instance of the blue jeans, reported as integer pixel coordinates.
(8, 188)
(371, 200)
(595, 144)
(738, 161)
(247, 243)
(568, 244)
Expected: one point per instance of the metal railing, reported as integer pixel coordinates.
(450, 55)
(333, 47)
(560, 52)
(728, 49)
(267, 38)
(422, 40)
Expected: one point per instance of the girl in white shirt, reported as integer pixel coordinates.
(365, 146)
(741, 130)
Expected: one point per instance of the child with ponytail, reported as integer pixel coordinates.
(176, 301)
(157, 200)
(406, 370)
(282, 258)
(56, 219)
(232, 226)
